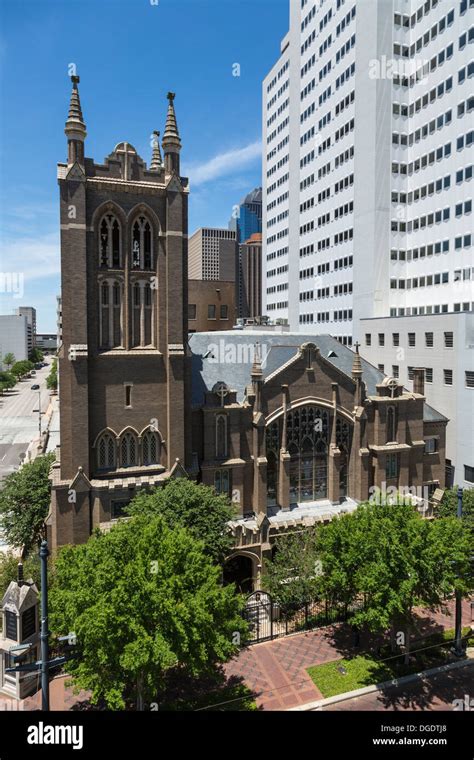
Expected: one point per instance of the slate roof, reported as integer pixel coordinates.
(276, 350)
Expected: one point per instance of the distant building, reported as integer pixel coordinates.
(250, 279)
(15, 337)
(30, 313)
(211, 305)
(247, 216)
(213, 254)
(47, 341)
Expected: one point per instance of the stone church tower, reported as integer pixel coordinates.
(124, 361)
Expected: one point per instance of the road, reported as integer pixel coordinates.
(19, 421)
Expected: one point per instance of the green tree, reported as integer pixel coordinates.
(292, 577)
(52, 379)
(22, 368)
(449, 506)
(36, 355)
(196, 507)
(142, 598)
(393, 558)
(24, 503)
(9, 569)
(9, 359)
(6, 381)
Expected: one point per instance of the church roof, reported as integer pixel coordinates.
(276, 349)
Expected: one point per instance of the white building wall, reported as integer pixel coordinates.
(395, 242)
(13, 337)
(456, 400)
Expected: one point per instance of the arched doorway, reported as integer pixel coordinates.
(238, 569)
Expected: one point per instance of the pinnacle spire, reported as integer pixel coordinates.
(156, 162)
(171, 134)
(75, 120)
(257, 361)
(357, 365)
(171, 141)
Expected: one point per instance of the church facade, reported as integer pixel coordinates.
(294, 428)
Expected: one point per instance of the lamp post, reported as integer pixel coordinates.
(44, 664)
(39, 412)
(458, 650)
(44, 553)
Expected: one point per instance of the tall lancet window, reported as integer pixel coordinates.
(391, 425)
(221, 436)
(109, 242)
(142, 244)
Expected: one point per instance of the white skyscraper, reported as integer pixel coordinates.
(368, 136)
(367, 171)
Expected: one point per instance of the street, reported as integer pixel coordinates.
(19, 421)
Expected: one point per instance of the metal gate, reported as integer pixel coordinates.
(267, 620)
(259, 613)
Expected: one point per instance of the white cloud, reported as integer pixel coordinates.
(36, 257)
(225, 163)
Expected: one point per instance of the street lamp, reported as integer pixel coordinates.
(39, 411)
(458, 650)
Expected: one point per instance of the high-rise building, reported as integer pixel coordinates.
(15, 337)
(246, 217)
(30, 313)
(213, 254)
(368, 163)
(250, 285)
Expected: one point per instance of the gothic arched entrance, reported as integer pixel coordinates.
(238, 569)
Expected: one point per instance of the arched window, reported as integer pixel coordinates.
(128, 450)
(142, 244)
(307, 443)
(109, 242)
(391, 425)
(150, 446)
(105, 294)
(116, 294)
(221, 436)
(106, 459)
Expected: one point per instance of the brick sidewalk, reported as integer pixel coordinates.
(276, 670)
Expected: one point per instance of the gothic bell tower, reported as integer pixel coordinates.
(123, 364)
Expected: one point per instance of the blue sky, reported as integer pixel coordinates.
(128, 53)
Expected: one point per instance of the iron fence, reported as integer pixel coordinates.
(268, 620)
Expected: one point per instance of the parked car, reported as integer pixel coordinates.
(33, 372)
(35, 387)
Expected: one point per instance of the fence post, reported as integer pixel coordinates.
(326, 606)
(306, 615)
(271, 618)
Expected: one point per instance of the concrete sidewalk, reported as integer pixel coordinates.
(276, 670)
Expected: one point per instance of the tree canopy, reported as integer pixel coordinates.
(36, 355)
(6, 381)
(449, 506)
(141, 599)
(382, 560)
(196, 507)
(52, 379)
(9, 359)
(24, 503)
(22, 368)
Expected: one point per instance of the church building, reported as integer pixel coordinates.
(294, 428)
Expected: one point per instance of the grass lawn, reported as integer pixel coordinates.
(367, 669)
